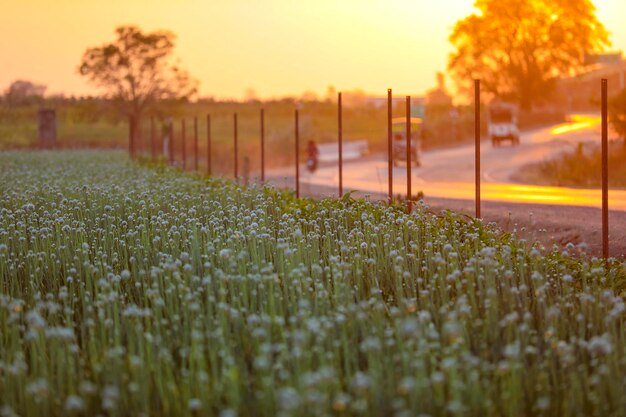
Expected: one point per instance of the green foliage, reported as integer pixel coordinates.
(583, 169)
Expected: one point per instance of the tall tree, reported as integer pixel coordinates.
(518, 48)
(137, 70)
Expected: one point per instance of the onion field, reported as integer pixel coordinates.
(138, 290)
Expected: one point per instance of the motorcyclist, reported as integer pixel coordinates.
(312, 153)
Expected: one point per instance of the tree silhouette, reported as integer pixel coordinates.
(137, 70)
(24, 92)
(518, 48)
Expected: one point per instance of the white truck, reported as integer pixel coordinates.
(503, 123)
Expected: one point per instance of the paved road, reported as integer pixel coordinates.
(449, 173)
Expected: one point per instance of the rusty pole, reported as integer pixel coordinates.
(183, 139)
(170, 143)
(389, 146)
(152, 139)
(195, 143)
(262, 145)
(605, 173)
(477, 144)
(297, 155)
(409, 203)
(131, 136)
(236, 145)
(208, 144)
(340, 142)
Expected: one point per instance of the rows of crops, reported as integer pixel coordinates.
(130, 290)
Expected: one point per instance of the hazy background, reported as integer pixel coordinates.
(275, 47)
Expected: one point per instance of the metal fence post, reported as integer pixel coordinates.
(297, 156)
(262, 145)
(195, 143)
(235, 145)
(477, 144)
(605, 173)
(152, 139)
(389, 146)
(340, 141)
(184, 140)
(208, 144)
(409, 203)
(131, 136)
(170, 143)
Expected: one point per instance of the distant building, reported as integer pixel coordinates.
(582, 91)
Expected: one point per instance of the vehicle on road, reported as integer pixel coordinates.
(399, 142)
(503, 123)
(312, 156)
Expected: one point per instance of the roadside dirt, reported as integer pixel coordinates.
(547, 224)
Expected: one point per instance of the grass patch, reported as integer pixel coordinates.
(581, 168)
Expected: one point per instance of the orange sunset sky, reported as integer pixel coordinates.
(276, 47)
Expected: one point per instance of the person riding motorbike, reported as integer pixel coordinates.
(312, 156)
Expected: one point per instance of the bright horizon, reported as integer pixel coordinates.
(275, 47)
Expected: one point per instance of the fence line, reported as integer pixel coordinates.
(168, 147)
